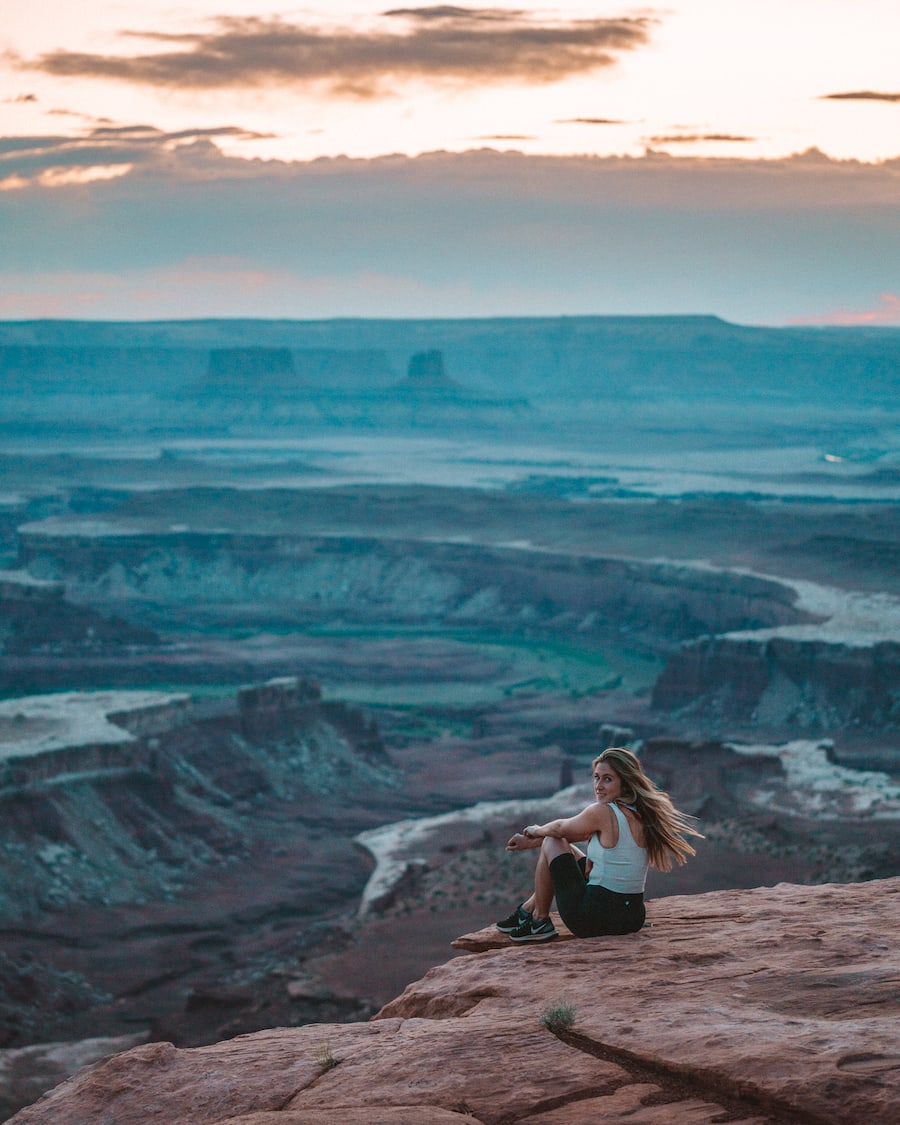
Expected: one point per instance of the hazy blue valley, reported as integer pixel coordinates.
(269, 585)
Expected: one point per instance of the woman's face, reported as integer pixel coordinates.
(607, 783)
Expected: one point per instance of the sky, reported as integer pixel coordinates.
(228, 158)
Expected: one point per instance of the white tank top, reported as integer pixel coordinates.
(622, 868)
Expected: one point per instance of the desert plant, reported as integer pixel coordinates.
(558, 1016)
(325, 1057)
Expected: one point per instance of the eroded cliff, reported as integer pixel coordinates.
(842, 672)
(145, 839)
(111, 797)
(311, 579)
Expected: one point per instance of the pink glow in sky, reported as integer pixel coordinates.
(738, 78)
(740, 157)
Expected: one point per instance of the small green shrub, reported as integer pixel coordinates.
(325, 1058)
(558, 1016)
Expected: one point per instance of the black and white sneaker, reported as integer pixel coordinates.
(518, 916)
(534, 930)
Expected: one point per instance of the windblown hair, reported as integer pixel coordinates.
(665, 827)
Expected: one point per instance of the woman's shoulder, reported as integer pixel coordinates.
(599, 814)
(635, 823)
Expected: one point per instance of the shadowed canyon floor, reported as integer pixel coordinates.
(774, 1005)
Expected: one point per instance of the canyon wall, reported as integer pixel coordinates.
(812, 685)
(115, 797)
(314, 579)
(37, 618)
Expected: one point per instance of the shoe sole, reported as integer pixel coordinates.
(536, 937)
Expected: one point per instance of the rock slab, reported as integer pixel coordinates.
(773, 1005)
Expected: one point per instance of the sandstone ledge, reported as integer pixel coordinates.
(491, 938)
(772, 1005)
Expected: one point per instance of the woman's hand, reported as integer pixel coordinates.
(533, 831)
(520, 843)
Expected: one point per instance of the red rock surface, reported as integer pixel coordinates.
(772, 1005)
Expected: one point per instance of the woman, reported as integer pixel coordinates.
(630, 826)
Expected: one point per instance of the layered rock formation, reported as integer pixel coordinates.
(165, 862)
(843, 671)
(272, 373)
(166, 788)
(773, 1005)
(811, 685)
(311, 579)
(426, 374)
(36, 618)
(569, 356)
(44, 738)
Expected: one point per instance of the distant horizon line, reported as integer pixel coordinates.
(338, 319)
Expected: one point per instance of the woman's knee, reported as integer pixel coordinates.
(552, 847)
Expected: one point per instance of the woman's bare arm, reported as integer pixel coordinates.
(581, 827)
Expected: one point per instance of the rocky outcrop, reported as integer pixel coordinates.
(426, 374)
(812, 679)
(45, 737)
(773, 1005)
(116, 797)
(27, 1072)
(48, 739)
(843, 671)
(429, 397)
(36, 618)
(811, 685)
(166, 863)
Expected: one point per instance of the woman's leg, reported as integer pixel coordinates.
(543, 882)
(543, 885)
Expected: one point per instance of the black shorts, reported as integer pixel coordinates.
(591, 911)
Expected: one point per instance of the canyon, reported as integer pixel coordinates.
(281, 672)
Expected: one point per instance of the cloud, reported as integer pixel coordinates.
(506, 137)
(886, 312)
(590, 121)
(193, 231)
(178, 159)
(443, 43)
(696, 138)
(454, 12)
(58, 177)
(54, 161)
(860, 96)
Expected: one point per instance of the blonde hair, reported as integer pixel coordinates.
(665, 827)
